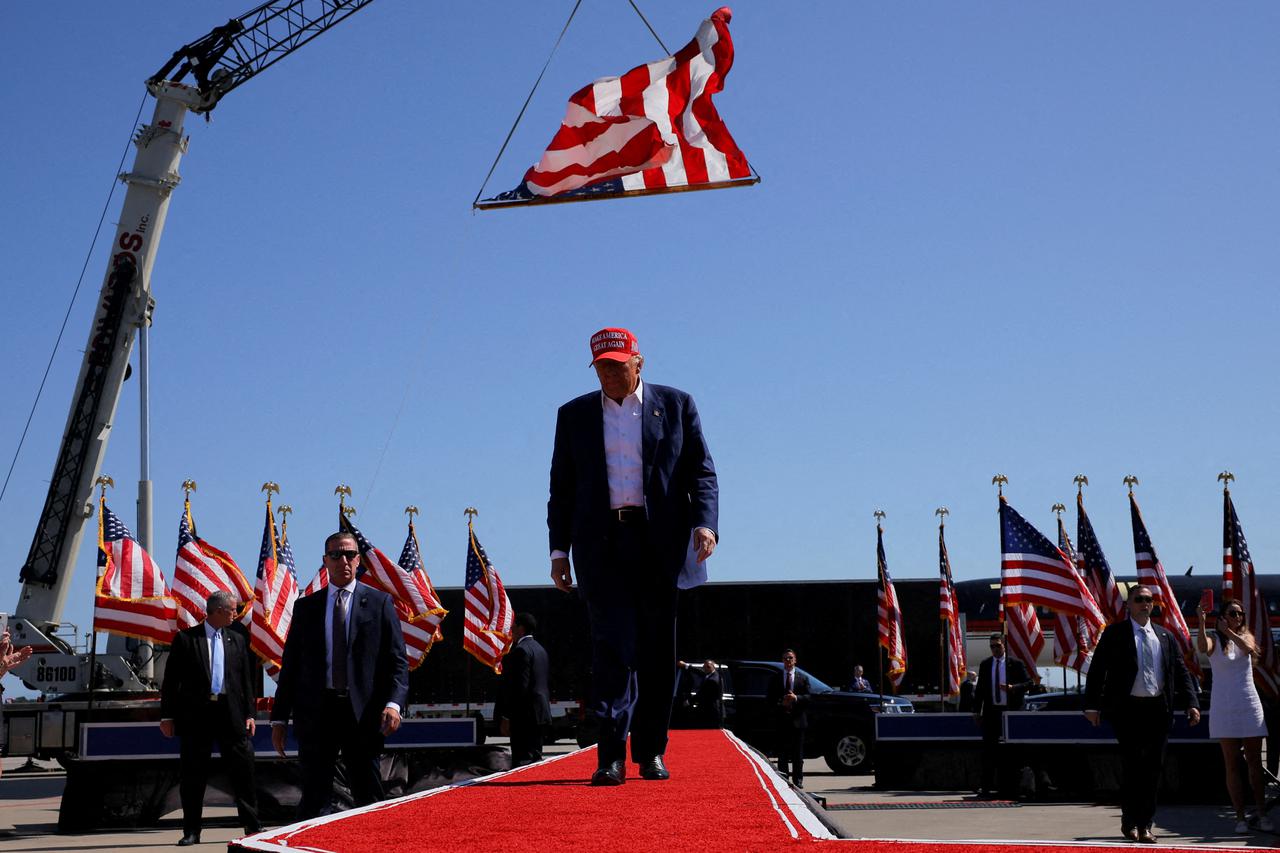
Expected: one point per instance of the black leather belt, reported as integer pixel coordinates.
(629, 515)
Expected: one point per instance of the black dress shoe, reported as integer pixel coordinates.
(1145, 836)
(654, 768)
(613, 773)
(189, 839)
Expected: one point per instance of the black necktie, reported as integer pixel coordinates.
(340, 640)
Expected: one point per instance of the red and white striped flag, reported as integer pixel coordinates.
(1240, 582)
(653, 128)
(1035, 571)
(486, 625)
(1151, 573)
(202, 570)
(416, 603)
(1026, 640)
(1072, 642)
(274, 593)
(949, 611)
(889, 617)
(132, 599)
(319, 582)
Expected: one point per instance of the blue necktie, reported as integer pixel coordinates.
(215, 664)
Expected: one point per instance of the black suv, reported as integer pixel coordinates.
(841, 724)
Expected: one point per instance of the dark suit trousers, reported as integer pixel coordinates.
(199, 731)
(633, 648)
(791, 751)
(526, 741)
(1142, 730)
(992, 753)
(360, 746)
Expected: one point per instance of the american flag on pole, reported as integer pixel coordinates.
(201, 570)
(1035, 571)
(416, 603)
(949, 611)
(1151, 573)
(319, 582)
(1072, 643)
(132, 599)
(654, 129)
(274, 593)
(486, 625)
(889, 617)
(1095, 568)
(411, 562)
(1240, 582)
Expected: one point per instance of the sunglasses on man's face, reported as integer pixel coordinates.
(345, 554)
(1235, 614)
(1142, 599)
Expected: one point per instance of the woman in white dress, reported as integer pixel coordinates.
(1235, 712)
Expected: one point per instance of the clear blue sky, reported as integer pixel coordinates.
(1029, 238)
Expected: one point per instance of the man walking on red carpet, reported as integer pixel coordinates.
(1136, 680)
(634, 497)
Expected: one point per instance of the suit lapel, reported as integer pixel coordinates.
(652, 430)
(202, 651)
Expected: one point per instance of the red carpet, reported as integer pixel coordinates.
(721, 797)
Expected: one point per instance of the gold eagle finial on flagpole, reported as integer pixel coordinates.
(1130, 481)
(471, 513)
(411, 511)
(104, 481)
(1081, 481)
(879, 516)
(1226, 477)
(1059, 509)
(188, 486)
(343, 491)
(270, 487)
(999, 481)
(942, 512)
(347, 510)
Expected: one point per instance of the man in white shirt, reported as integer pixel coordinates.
(207, 697)
(343, 679)
(1136, 680)
(1002, 684)
(633, 496)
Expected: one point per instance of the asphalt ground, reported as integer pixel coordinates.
(29, 815)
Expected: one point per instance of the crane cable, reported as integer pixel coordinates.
(58, 341)
(546, 65)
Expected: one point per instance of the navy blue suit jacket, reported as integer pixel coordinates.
(378, 672)
(680, 490)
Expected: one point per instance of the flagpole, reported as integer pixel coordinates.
(881, 651)
(942, 512)
(102, 482)
(998, 481)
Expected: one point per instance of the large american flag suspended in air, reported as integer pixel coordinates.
(486, 625)
(652, 130)
(949, 612)
(202, 570)
(1034, 571)
(1095, 568)
(889, 617)
(1151, 573)
(1072, 643)
(131, 599)
(1240, 582)
(274, 593)
(415, 601)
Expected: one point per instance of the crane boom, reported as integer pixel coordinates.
(219, 62)
(244, 46)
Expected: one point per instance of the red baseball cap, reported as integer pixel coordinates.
(613, 344)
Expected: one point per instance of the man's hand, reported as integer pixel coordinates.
(251, 726)
(390, 720)
(166, 728)
(705, 541)
(561, 574)
(1193, 716)
(277, 739)
(1095, 718)
(504, 727)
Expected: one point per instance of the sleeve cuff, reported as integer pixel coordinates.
(559, 555)
(394, 707)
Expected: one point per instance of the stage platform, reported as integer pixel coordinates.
(723, 796)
